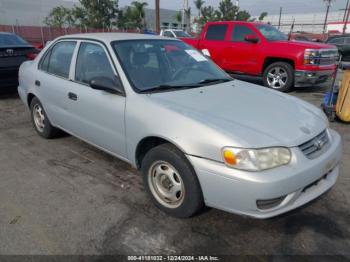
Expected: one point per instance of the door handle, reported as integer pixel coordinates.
(72, 96)
(37, 83)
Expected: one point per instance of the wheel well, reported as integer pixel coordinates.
(271, 60)
(146, 145)
(30, 98)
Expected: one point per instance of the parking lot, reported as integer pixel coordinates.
(63, 196)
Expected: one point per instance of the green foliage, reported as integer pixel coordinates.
(90, 13)
(262, 16)
(133, 17)
(178, 17)
(199, 4)
(59, 16)
(96, 13)
(226, 11)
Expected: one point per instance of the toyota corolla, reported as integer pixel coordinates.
(198, 136)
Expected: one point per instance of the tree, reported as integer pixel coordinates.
(188, 18)
(243, 15)
(227, 10)
(59, 16)
(262, 16)
(199, 4)
(96, 13)
(139, 12)
(178, 17)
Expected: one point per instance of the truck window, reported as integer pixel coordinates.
(239, 32)
(216, 32)
(168, 34)
(338, 41)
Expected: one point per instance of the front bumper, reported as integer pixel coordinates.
(309, 78)
(299, 182)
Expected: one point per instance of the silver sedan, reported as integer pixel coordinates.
(198, 136)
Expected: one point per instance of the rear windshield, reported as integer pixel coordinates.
(11, 40)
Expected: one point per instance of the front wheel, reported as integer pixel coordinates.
(171, 181)
(279, 76)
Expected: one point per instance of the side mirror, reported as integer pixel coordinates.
(110, 85)
(251, 38)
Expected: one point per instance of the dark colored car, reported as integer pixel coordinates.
(342, 42)
(13, 52)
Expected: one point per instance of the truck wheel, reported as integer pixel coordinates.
(172, 182)
(40, 120)
(279, 76)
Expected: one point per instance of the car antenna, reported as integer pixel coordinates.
(291, 30)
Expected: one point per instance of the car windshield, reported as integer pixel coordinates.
(182, 34)
(159, 65)
(271, 33)
(11, 40)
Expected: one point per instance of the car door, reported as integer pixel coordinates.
(96, 116)
(241, 55)
(52, 80)
(214, 43)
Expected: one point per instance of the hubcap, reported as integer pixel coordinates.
(166, 184)
(277, 77)
(39, 118)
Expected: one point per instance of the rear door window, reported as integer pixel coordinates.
(216, 32)
(58, 59)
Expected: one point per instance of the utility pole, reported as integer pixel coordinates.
(328, 3)
(347, 11)
(279, 20)
(185, 8)
(157, 16)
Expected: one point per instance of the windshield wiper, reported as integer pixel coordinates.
(169, 88)
(214, 80)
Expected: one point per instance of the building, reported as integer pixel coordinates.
(33, 13)
(28, 12)
(310, 22)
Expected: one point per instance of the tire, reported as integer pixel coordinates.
(41, 123)
(183, 188)
(278, 73)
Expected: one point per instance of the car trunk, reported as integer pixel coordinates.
(11, 58)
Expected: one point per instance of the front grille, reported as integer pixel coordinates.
(328, 56)
(316, 146)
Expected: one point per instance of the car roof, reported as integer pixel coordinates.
(110, 37)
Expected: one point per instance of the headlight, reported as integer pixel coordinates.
(312, 57)
(256, 159)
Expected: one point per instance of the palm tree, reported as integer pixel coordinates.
(199, 4)
(139, 8)
(188, 17)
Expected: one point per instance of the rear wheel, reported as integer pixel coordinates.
(40, 120)
(279, 76)
(171, 181)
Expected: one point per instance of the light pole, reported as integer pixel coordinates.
(328, 3)
(157, 16)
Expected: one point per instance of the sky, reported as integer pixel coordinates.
(255, 7)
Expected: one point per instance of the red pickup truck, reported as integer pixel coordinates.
(259, 49)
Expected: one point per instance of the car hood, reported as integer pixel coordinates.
(249, 115)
